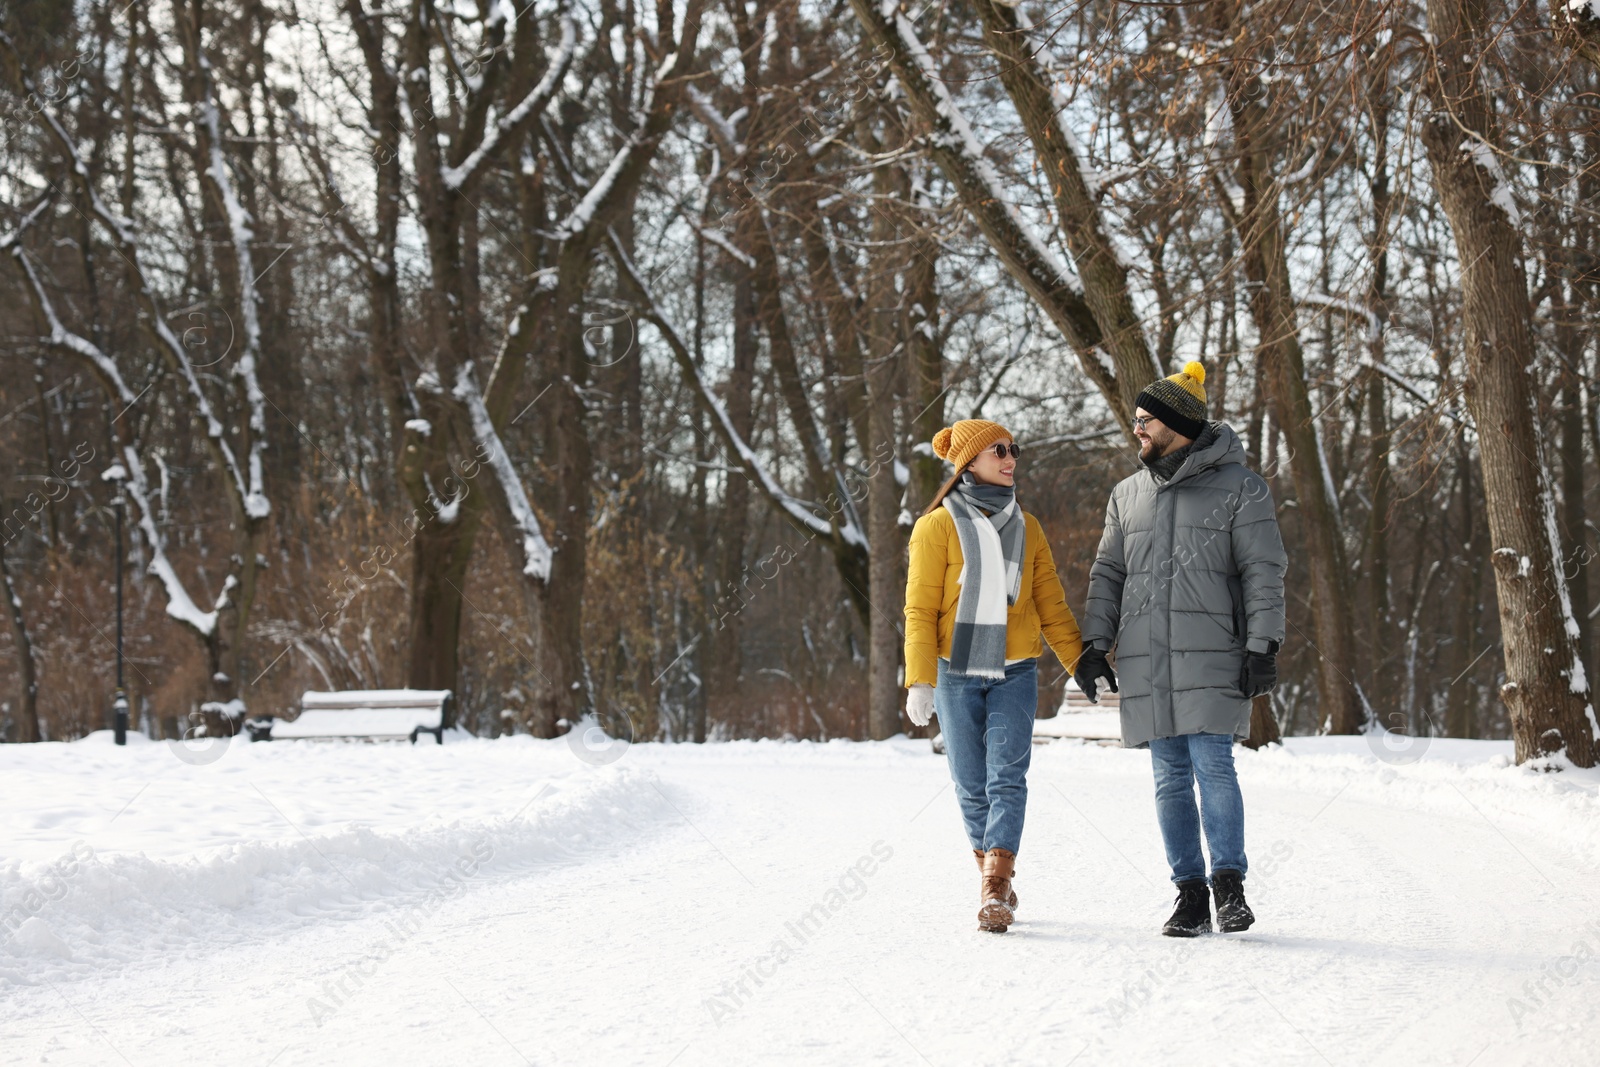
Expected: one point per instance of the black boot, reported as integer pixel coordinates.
(1233, 914)
(1193, 915)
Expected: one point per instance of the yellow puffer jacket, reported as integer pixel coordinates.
(933, 589)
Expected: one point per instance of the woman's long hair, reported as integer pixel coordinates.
(944, 491)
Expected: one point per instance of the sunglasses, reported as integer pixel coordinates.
(1001, 450)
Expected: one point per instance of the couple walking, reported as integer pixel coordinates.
(1186, 589)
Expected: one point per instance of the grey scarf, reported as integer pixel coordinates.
(1164, 467)
(992, 548)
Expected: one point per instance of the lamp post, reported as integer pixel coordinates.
(119, 705)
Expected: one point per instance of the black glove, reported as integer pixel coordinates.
(1259, 675)
(1091, 667)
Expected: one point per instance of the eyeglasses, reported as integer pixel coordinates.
(1143, 421)
(1000, 450)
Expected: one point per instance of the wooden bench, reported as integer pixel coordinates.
(370, 714)
(1079, 720)
(1075, 720)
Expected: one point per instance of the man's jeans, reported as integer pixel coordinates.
(988, 738)
(1178, 762)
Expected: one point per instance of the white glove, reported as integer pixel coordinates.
(919, 704)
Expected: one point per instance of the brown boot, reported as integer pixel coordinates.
(996, 913)
(977, 854)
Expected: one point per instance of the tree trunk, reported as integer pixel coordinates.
(563, 689)
(562, 693)
(1575, 555)
(1380, 606)
(1461, 706)
(880, 453)
(440, 553)
(1263, 724)
(1546, 691)
(1380, 618)
(27, 717)
(1577, 26)
(550, 330)
(925, 368)
(706, 629)
(282, 344)
(727, 606)
(888, 548)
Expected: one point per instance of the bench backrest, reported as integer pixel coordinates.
(1074, 700)
(350, 699)
(366, 713)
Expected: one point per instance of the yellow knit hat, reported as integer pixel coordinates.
(1179, 400)
(961, 443)
(1191, 379)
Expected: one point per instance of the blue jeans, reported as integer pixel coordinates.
(1178, 763)
(988, 738)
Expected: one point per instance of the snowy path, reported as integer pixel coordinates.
(777, 904)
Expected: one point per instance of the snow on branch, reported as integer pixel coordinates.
(256, 505)
(180, 605)
(118, 225)
(721, 127)
(644, 131)
(536, 554)
(1374, 327)
(1219, 120)
(60, 337)
(717, 238)
(1577, 680)
(128, 248)
(583, 214)
(962, 140)
(1407, 385)
(130, 472)
(1480, 152)
(10, 240)
(1093, 180)
(1374, 335)
(529, 108)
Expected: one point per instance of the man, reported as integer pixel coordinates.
(1187, 588)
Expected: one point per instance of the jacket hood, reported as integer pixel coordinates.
(1223, 447)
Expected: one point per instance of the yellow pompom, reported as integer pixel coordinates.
(941, 442)
(1195, 370)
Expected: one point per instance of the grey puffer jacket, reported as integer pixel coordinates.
(1189, 573)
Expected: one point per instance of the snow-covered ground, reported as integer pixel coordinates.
(763, 903)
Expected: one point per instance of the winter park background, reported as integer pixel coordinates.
(580, 359)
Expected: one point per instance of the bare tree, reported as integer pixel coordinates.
(222, 628)
(1546, 688)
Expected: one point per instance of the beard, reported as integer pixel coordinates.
(1158, 446)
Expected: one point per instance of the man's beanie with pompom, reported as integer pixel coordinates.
(1179, 400)
(961, 443)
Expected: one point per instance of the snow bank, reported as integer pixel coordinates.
(97, 903)
(1473, 780)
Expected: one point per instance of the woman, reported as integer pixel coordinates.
(981, 587)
